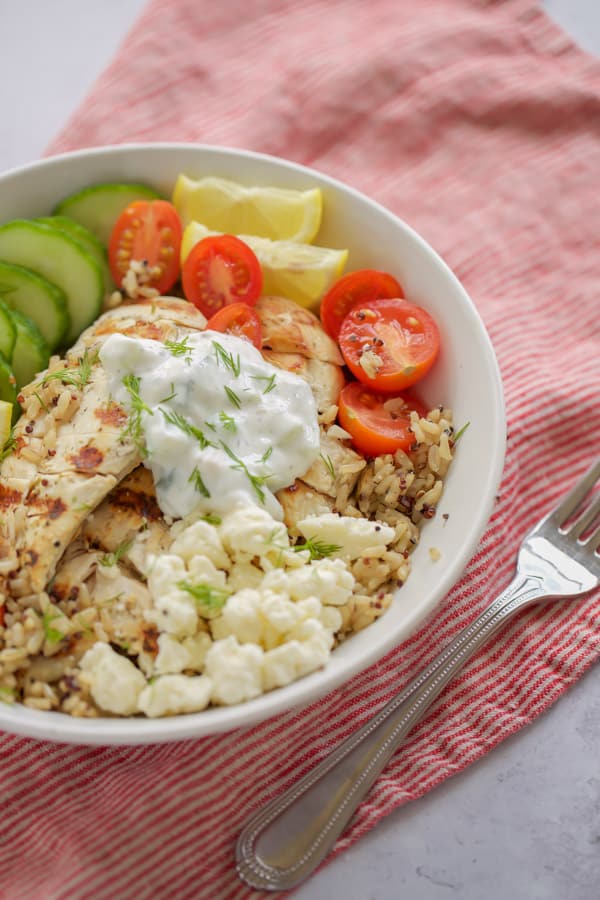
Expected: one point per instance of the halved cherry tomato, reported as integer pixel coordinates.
(240, 320)
(377, 422)
(389, 344)
(221, 270)
(362, 287)
(151, 231)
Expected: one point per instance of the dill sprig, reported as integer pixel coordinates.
(180, 348)
(460, 433)
(270, 379)
(209, 598)
(227, 359)
(77, 375)
(171, 395)
(328, 463)
(212, 519)
(227, 421)
(196, 479)
(317, 549)
(111, 559)
(266, 454)
(133, 429)
(179, 421)
(52, 635)
(233, 397)
(256, 481)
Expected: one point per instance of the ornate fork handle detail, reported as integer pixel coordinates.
(288, 838)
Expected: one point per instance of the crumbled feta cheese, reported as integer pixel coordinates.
(115, 683)
(165, 571)
(251, 532)
(174, 694)
(201, 570)
(327, 579)
(355, 537)
(200, 537)
(240, 617)
(172, 657)
(244, 575)
(292, 660)
(235, 670)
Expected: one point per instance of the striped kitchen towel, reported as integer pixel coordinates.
(478, 122)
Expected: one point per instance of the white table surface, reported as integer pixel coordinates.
(524, 822)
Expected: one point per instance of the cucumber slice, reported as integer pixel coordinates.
(31, 352)
(89, 241)
(6, 415)
(60, 259)
(98, 207)
(8, 332)
(36, 297)
(8, 382)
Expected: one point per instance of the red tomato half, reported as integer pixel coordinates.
(221, 270)
(362, 287)
(389, 344)
(151, 231)
(240, 320)
(378, 423)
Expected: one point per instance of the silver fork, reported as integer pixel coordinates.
(282, 843)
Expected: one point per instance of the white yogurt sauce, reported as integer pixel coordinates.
(222, 428)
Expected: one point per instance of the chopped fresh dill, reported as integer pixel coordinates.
(460, 433)
(111, 559)
(227, 359)
(133, 429)
(256, 481)
(210, 425)
(77, 375)
(227, 421)
(328, 463)
(9, 445)
(270, 379)
(233, 397)
(196, 479)
(52, 635)
(179, 421)
(171, 395)
(44, 405)
(209, 598)
(180, 348)
(266, 454)
(212, 519)
(317, 549)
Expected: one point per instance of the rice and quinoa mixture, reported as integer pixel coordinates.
(129, 632)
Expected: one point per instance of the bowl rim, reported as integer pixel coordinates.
(61, 728)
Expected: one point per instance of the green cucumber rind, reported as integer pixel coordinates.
(8, 388)
(31, 353)
(33, 295)
(8, 332)
(90, 242)
(58, 257)
(98, 206)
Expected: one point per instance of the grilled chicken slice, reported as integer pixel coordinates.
(298, 501)
(70, 449)
(326, 379)
(129, 523)
(288, 328)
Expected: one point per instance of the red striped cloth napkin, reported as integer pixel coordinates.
(479, 123)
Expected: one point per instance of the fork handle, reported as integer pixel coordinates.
(282, 843)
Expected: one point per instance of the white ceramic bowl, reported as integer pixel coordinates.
(466, 378)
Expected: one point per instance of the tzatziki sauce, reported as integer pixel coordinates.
(217, 425)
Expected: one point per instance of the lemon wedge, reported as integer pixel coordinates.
(300, 272)
(269, 212)
(6, 411)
